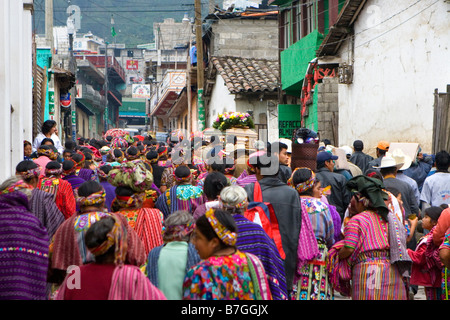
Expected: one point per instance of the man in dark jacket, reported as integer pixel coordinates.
(280, 149)
(286, 205)
(360, 158)
(339, 196)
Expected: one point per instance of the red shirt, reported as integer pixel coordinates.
(94, 282)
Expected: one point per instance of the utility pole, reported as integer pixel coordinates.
(73, 69)
(106, 86)
(200, 67)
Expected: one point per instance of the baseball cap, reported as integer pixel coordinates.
(325, 156)
(383, 145)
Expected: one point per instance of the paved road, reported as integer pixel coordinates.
(420, 295)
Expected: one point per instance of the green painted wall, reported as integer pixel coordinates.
(295, 59)
(289, 119)
(311, 121)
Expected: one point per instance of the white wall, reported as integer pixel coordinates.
(15, 82)
(400, 58)
(221, 101)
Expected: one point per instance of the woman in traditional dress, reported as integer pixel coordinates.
(371, 262)
(311, 276)
(224, 273)
(85, 173)
(131, 181)
(108, 277)
(252, 238)
(215, 182)
(61, 190)
(42, 204)
(68, 247)
(168, 264)
(24, 245)
(183, 196)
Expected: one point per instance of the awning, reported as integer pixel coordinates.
(165, 103)
(85, 106)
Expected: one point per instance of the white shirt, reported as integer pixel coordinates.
(436, 189)
(37, 142)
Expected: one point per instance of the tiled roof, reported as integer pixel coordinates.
(248, 75)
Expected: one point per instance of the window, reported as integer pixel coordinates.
(298, 20)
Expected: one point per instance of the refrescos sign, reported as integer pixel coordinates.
(289, 119)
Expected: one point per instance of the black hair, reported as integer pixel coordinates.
(70, 145)
(26, 165)
(106, 168)
(47, 126)
(97, 234)
(182, 171)
(265, 161)
(382, 152)
(276, 147)
(47, 140)
(124, 191)
(53, 165)
(89, 187)
(434, 212)
(77, 157)
(442, 160)
(109, 138)
(203, 225)
(26, 143)
(393, 190)
(388, 170)
(132, 151)
(118, 153)
(68, 151)
(302, 175)
(214, 184)
(151, 155)
(87, 156)
(67, 165)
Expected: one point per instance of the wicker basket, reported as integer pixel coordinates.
(304, 155)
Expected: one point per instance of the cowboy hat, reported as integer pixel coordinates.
(388, 161)
(401, 157)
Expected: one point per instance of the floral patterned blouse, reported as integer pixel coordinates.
(220, 278)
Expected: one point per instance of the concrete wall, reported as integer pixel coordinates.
(221, 101)
(327, 108)
(254, 39)
(15, 82)
(400, 58)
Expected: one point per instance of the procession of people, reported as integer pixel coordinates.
(135, 218)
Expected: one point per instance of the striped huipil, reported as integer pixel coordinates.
(253, 239)
(127, 283)
(373, 275)
(148, 224)
(23, 250)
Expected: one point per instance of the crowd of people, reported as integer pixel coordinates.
(186, 219)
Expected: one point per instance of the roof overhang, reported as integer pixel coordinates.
(342, 28)
(166, 102)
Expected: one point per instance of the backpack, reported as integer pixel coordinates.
(262, 213)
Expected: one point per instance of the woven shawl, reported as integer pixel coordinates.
(23, 250)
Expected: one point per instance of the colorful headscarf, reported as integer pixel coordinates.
(53, 172)
(133, 175)
(47, 152)
(17, 186)
(184, 179)
(119, 143)
(305, 185)
(117, 159)
(177, 232)
(132, 201)
(130, 156)
(118, 237)
(222, 232)
(36, 172)
(93, 199)
(71, 170)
